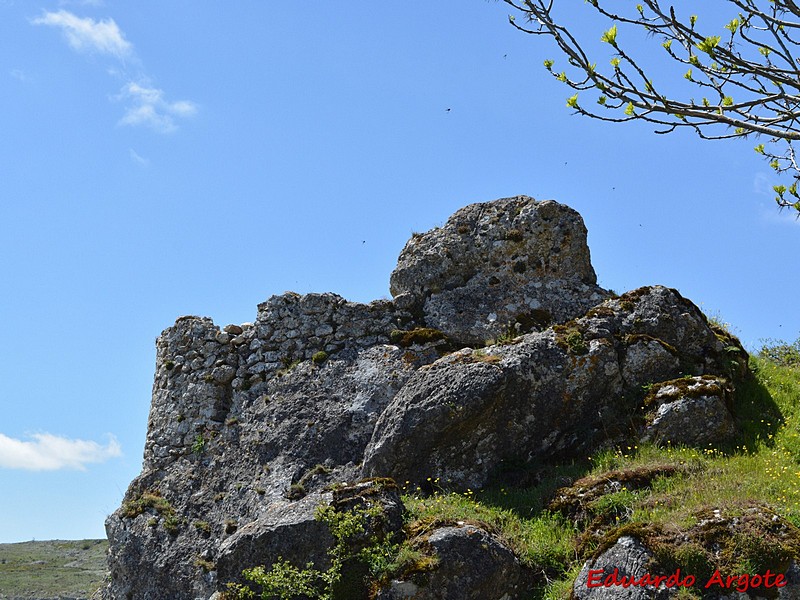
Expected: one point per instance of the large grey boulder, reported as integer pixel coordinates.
(557, 393)
(471, 564)
(287, 530)
(515, 263)
(691, 411)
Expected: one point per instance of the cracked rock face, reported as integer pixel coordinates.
(553, 394)
(515, 263)
(250, 424)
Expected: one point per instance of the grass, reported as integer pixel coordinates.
(74, 569)
(761, 468)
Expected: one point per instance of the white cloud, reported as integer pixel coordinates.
(47, 452)
(147, 105)
(86, 34)
(149, 108)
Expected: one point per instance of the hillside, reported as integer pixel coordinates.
(52, 569)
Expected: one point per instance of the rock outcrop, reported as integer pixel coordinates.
(560, 392)
(506, 265)
(498, 348)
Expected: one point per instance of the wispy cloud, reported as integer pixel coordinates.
(19, 74)
(47, 452)
(87, 35)
(147, 105)
(138, 159)
(149, 108)
(762, 185)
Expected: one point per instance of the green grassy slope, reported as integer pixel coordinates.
(50, 569)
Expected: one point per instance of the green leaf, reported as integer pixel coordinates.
(759, 148)
(602, 100)
(692, 20)
(739, 131)
(732, 26)
(572, 101)
(775, 164)
(667, 44)
(562, 76)
(727, 101)
(548, 64)
(764, 51)
(779, 189)
(629, 109)
(615, 62)
(688, 75)
(708, 44)
(693, 60)
(610, 36)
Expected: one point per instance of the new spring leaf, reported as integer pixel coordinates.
(708, 44)
(610, 36)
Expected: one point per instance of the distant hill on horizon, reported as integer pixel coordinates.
(53, 569)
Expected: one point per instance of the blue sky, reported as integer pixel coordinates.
(168, 158)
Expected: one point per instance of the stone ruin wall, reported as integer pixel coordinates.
(202, 370)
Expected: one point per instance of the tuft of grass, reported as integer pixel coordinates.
(149, 499)
(417, 336)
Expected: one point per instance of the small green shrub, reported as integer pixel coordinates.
(199, 445)
(350, 556)
(319, 357)
(575, 341)
(282, 580)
